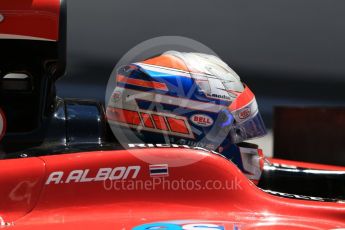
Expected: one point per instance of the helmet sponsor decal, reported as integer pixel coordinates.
(202, 120)
(219, 96)
(116, 96)
(243, 114)
(143, 145)
(2, 124)
(247, 112)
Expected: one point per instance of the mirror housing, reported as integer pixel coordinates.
(33, 57)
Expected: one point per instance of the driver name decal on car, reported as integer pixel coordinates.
(82, 175)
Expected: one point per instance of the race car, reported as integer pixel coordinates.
(61, 166)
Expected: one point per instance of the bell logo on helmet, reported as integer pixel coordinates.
(244, 113)
(202, 120)
(116, 96)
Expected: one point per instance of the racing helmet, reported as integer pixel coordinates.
(183, 98)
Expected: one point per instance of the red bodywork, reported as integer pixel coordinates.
(27, 202)
(30, 19)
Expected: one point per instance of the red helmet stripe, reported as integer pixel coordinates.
(177, 125)
(168, 61)
(123, 116)
(147, 120)
(242, 100)
(160, 122)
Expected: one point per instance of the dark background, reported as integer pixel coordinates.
(289, 52)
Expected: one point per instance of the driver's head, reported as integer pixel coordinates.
(183, 98)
